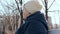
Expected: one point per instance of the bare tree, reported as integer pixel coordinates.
(20, 9)
(10, 17)
(45, 3)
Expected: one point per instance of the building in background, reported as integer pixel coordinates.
(50, 25)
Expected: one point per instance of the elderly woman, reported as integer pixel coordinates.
(35, 22)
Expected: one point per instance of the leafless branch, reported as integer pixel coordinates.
(51, 4)
(17, 5)
(21, 13)
(42, 2)
(3, 7)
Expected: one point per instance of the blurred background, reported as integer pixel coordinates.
(11, 14)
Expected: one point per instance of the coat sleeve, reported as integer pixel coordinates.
(36, 27)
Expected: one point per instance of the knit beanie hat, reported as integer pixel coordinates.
(32, 6)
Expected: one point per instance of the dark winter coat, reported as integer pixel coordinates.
(34, 24)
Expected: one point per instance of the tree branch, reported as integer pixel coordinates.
(43, 2)
(51, 4)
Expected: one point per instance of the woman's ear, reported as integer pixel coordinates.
(25, 14)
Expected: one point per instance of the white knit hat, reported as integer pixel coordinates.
(32, 6)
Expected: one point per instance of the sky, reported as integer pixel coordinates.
(54, 15)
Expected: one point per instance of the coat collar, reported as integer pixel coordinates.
(38, 16)
(35, 16)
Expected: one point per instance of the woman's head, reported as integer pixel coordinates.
(31, 7)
